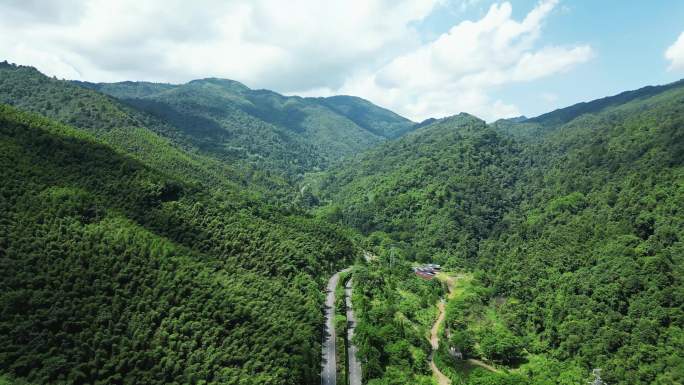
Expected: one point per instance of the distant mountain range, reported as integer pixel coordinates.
(225, 115)
(221, 118)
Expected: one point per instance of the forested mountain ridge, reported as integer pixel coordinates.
(116, 273)
(152, 141)
(162, 144)
(314, 131)
(439, 189)
(564, 115)
(538, 126)
(599, 240)
(212, 113)
(378, 120)
(575, 232)
(255, 137)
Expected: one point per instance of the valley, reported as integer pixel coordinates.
(210, 233)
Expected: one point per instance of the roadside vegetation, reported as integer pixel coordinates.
(394, 313)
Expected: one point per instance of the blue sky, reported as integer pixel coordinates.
(628, 38)
(420, 58)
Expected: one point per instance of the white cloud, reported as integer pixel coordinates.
(368, 48)
(675, 54)
(459, 70)
(297, 44)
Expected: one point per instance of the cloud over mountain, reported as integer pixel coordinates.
(457, 70)
(369, 48)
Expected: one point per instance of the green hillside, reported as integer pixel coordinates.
(378, 120)
(127, 89)
(116, 273)
(221, 129)
(286, 133)
(438, 190)
(574, 230)
(150, 140)
(208, 112)
(564, 115)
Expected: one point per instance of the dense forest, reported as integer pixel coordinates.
(183, 234)
(574, 226)
(116, 273)
(394, 312)
(285, 133)
(438, 190)
(215, 130)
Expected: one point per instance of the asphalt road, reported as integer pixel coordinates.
(354, 364)
(328, 369)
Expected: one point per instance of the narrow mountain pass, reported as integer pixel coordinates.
(354, 364)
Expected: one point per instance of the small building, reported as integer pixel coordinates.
(425, 275)
(427, 271)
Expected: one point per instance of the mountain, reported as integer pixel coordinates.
(258, 136)
(115, 272)
(212, 113)
(438, 189)
(127, 89)
(378, 120)
(129, 254)
(573, 224)
(564, 115)
(225, 116)
(154, 142)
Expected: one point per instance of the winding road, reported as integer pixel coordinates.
(434, 332)
(329, 352)
(434, 341)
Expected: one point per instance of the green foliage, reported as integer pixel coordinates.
(436, 192)
(290, 135)
(116, 273)
(152, 141)
(394, 312)
(597, 272)
(211, 113)
(575, 222)
(341, 328)
(216, 131)
(375, 119)
(155, 236)
(500, 345)
(567, 114)
(463, 341)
